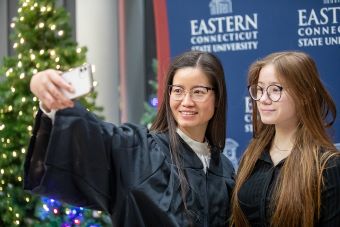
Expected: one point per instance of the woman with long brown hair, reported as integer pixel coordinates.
(172, 175)
(290, 173)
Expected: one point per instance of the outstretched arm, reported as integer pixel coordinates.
(47, 85)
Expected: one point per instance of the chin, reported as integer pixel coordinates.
(268, 121)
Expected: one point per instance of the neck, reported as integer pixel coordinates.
(284, 138)
(197, 135)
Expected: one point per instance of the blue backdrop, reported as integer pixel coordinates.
(241, 31)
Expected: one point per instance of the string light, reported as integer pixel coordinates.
(29, 128)
(12, 25)
(61, 33)
(53, 27)
(22, 76)
(41, 25)
(14, 154)
(2, 171)
(46, 207)
(67, 211)
(19, 56)
(22, 18)
(43, 9)
(41, 52)
(27, 199)
(22, 40)
(19, 10)
(57, 59)
(32, 57)
(15, 45)
(78, 50)
(2, 127)
(20, 113)
(12, 89)
(23, 150)
(52, 53)
(19, 179)
(19, 64)
(23, 99)
(8, 72)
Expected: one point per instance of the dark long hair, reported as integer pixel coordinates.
(296, 200)
(216, 130)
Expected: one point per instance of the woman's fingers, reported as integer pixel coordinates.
(47, 85)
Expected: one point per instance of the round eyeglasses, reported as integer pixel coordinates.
(197, 94)
(273, 91)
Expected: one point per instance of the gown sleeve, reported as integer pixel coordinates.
(330, 197)
(87, 162)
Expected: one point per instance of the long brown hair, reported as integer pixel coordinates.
(300, 179)
(216, 130)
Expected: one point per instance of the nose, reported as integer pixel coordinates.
(187, 100)
(265, 97)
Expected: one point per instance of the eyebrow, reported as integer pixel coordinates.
(271, 83)
(200, 85)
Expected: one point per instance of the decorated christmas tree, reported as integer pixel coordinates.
(41, 37)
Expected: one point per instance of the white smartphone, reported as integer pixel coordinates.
(81, 79)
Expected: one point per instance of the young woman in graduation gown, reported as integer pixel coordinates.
(172, 175)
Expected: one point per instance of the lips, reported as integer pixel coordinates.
(188, 113)
(267, 110)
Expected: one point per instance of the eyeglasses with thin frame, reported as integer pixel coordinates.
(197, 93)
(274, 92)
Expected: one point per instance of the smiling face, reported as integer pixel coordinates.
(192, 117)
(281, 113)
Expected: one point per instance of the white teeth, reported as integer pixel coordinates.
(188, 113)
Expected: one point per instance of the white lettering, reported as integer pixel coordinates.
(248, 128)
(329, 41)
(324, 16)
(223, 24)
(305, 42)
(194, 27)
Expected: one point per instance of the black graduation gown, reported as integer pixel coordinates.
(125, 171)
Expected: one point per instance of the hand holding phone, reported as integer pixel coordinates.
(81, 79)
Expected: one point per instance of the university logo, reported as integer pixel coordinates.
(330, 1)
(230, 151)
(221, 7)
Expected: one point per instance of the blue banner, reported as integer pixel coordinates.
(239, 32)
